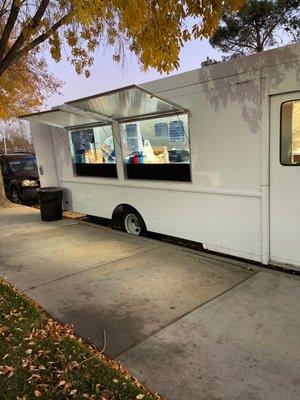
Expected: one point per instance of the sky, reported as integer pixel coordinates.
(108, 75)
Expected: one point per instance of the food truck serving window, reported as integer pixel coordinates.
(157, 148)
(93, 151)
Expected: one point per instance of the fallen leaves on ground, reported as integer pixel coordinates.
(7, 370)
(53, 360)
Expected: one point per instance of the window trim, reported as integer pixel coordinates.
(5, 170)
(280, 137)
(75, 175)
(174, 114)
(153, 116)
(141, 171)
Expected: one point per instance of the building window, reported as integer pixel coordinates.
(93, 151)
(290, 133)
(157, 148)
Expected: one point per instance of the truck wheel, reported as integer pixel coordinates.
(133, 223)
(15, 196)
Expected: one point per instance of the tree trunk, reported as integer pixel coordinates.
(3, 200)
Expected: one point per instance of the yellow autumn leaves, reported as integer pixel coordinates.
(24, 86)
(154, 30)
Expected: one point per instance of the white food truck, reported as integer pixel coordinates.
(211, 155)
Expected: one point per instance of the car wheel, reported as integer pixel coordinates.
(15, 196)
(133, 223)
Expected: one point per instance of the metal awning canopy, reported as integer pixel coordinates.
(130, 102)
(62, 118)
(127, 103)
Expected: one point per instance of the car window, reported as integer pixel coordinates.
(25, 164)
(3, 165)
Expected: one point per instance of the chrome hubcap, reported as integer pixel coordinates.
(15, 197)
(132, 224)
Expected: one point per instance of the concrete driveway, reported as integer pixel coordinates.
(189, 325)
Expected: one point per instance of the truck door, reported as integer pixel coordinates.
(285, 179)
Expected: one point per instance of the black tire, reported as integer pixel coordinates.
(15, 195)
(133, 223)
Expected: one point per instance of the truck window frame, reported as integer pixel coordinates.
(92, 170)
(158, 172)
(280, 137)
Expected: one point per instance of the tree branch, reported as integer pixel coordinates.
(38, 40)
(13, 15)
(273, 26)
(45, 35)
(258, 47)
(238, 44)
(8, 59)
(3, 8)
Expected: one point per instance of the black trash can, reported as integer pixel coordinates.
(50, 199)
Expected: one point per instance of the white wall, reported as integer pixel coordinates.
(225, 223)
(44, 151)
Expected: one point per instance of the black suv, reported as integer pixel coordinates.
(20, 176)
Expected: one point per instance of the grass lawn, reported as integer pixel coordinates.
(39, 358)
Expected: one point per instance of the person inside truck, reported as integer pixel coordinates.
(108, 149)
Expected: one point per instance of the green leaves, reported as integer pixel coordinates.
(258, 25)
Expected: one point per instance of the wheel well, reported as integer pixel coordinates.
(121, 209)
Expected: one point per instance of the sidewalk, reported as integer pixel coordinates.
(190, 325)
(245, 345)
